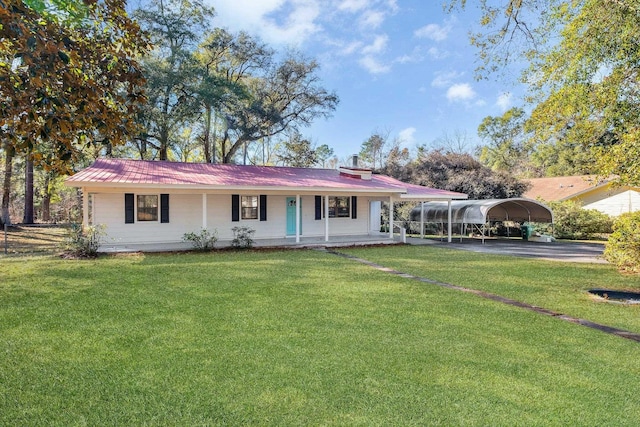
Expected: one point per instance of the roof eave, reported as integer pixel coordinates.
(81, 184)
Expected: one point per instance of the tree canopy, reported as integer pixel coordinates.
(68, 84)
(584, 65)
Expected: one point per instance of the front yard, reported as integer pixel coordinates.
(307, 338)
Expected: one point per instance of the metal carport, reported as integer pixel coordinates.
(480, 212)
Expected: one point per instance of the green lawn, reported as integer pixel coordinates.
(306, 338)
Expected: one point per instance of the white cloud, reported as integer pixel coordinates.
(407, 136)
(379, 45)
(374, 66)
(460, 92)
(413, 57)
(352, 5)
(393, 5)
(444, 79)
(434, 32)
(296, 19)
(436, 53)
(350, 48)
(372, 19)
(504, 101)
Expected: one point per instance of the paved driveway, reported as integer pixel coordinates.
(556, 251)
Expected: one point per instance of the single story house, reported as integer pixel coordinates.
(588, 190)
(154, 203)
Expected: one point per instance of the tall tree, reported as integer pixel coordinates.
(176, 28)
(372, 151)
(323, 154)
(287, 96)
(584, 72)
(297, 151)
(505, 145)
(227, 62)
(69, 79)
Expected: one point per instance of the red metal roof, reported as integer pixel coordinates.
(124, 172)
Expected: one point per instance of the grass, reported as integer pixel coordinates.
(36, 239)
(559, 286)
(295, 338)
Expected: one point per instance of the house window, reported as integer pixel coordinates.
(249, 207)
(339, 207)
(148, 207)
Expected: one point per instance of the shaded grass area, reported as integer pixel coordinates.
(289, 338)
(36, 239)
(558, 286)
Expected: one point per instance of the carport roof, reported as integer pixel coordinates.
(481, 211)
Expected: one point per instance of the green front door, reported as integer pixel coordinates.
(291, 216)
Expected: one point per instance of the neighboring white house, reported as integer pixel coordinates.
(157, 202)
(587, 190)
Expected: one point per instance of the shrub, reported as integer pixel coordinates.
(571, 221)
(623, 247)
(242, 237)
(84, 242)
(203, 241)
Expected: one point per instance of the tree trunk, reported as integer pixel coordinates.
(46, 199)
(206, 137)
(28, 192)
(6, 186)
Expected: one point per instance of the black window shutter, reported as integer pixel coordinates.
(235, 207)
(263, 207)
(318, 207)
(129, 208)
(164, 208)
(354, 207)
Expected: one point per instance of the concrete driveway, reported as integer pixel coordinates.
(556, 251)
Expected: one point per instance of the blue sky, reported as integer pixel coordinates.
(399, 66)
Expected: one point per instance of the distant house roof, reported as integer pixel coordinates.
(140, 173)
(562, 187)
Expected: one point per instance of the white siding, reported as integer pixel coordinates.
(185, 215)
(616, 204)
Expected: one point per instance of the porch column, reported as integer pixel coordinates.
(391, 217)
(85, 207)
(297, 218)
(422, 220)
(204, 210)
(449, 216)
(326, 218)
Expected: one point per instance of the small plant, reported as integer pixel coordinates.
(242, 237)
(84, 242)
(203, 241)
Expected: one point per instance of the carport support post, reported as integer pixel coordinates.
(422, 220)
(449, 223)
